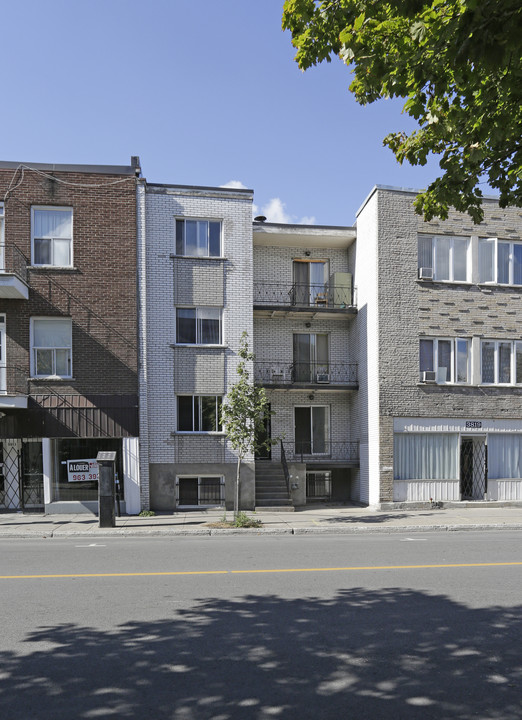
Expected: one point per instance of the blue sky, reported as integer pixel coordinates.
(206, 92)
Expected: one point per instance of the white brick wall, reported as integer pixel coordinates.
(207, 371)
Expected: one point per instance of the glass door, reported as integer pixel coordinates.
(310, 357)
(311, 430)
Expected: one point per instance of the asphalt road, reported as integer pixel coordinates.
(380, 626)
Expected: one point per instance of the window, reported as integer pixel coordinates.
(191, 491)
(500, 261)
(199, 238)
(501, 362)
(425, 456)
(312, 430)
(51, 347)
(311, 358)
(198, 326)
(52, 236)
(310, 282)
(199, 413)
(446, 256)
(504, 456)
(449, 359)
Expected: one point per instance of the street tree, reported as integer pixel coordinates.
(457, 64)
(243, 414)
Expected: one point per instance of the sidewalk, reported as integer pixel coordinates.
(339, 520)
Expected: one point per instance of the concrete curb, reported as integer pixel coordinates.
(127, 532)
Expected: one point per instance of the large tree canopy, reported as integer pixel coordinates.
(458, 65)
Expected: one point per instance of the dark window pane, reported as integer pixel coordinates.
(42, 251)
(191, 237)
(426, 355)
(185, 421)
(517, 264)
(214, 239)
(503, 262)
(488, 362)
(425, 252)
(179, 237)
(504, 362)
(186, 325)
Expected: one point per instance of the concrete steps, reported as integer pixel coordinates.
(271, 490)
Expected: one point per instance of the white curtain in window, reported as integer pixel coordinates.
(52, 332)
(426, 456)
(52, 224)
(504, 456)
(442, 254)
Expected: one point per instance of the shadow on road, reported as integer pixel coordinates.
(384, 654)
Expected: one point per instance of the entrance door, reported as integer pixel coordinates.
(310, 282)
(473, 468)
(310, 357)
(311, 430)
(32, 474)
(3, 364)
(265, 453)
(188, 491)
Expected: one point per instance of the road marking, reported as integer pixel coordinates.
(413, 539)
(267, 571)
(91, 545)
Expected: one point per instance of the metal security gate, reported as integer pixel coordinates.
(21, 475)
(473, 468)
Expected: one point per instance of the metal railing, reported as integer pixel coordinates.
(13, 261)
(326, 450)
(275, 372)
(298, 295)
(285, 468)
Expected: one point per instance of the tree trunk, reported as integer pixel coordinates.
(236, 500)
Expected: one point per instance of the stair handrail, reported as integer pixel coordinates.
(285, 467)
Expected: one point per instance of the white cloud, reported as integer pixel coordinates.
(236, 184)
(275, 212)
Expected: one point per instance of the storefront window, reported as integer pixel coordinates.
(78, 480)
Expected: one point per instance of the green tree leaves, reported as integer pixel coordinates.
(457, 64)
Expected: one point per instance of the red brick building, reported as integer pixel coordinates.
(68, 333)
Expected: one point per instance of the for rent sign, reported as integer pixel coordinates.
(82, 470)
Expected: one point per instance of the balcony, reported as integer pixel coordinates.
(280, 299)
(323, 454)
(13, 273)
(305, 376)
(13, 388)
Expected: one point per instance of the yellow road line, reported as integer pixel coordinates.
(271, 570)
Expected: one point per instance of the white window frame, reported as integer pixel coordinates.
(453, 362)
(199, 411)
(51, 208)
(494, 269)
(515, 345)
(197, 320)
(199, 479)
(54, 350)
(435, 239)
(198, 220)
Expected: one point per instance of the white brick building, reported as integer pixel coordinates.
(391, 353)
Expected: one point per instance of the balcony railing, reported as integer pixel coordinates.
(322, 451)
(13, 261)
(274, 373)
(319, 297)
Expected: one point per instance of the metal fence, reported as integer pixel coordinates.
(321, 450)
(297, 295)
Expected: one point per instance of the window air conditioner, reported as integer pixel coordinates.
(429, 376)
(322, 377)
(425, 273)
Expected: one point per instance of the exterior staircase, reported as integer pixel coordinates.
(271, 489)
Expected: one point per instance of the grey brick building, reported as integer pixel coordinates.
(440, 352)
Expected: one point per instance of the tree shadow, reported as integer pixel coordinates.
(389, 653)
(370, 519)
